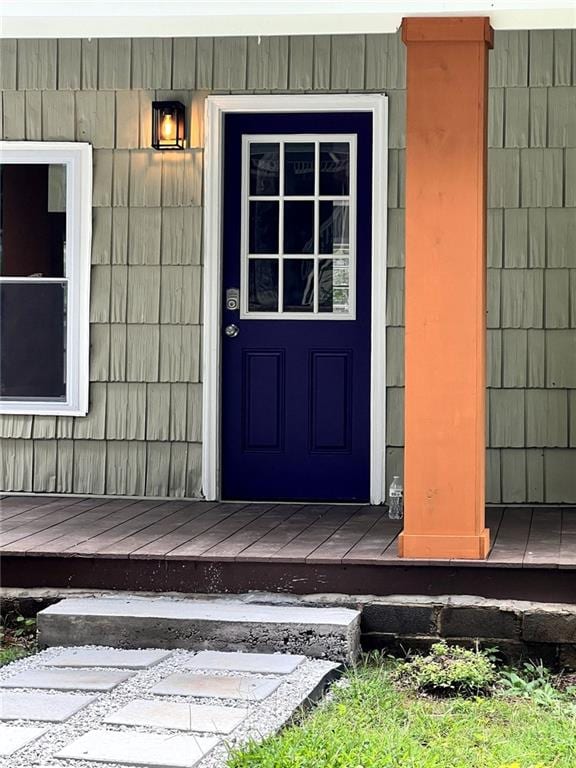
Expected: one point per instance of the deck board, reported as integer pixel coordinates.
(266, 548)
(68, 532)
(375, 542)
(543, 547)
(220, 532)
(187, 532)
(14, 519)
(149, 513)
(84, 528)
(390, 552)
(512, 540)
(494, 517)
(569, 521)
(47, 523)
(234, 545)
(152, 533)
(347, 536)
(12, 506)
(317, 535)
(567, 557)
(32, 514)
(109, 519)
(302, 546)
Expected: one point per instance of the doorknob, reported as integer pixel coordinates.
(232, 330)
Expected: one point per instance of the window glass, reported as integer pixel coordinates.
(334, 226)
(264, 169)
(298, 226)
(263, 285)
(32, 340)
(334, 168)
(334, 286)
(263, 227)
(299, 169)
(32, 302)
(298, 285)
(32, 220)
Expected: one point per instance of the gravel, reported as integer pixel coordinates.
(264, 718)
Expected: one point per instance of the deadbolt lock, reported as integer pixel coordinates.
(232, 299)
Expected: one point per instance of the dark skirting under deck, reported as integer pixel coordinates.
(196, 546)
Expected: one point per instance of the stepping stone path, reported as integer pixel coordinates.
(262, 663)
(156, 708)
(148, 749)
(108, 657)
(208, 686)
(68, 679)
(42, 707)
(201, 718)
(13, 737)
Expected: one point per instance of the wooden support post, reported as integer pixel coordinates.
(447, 90)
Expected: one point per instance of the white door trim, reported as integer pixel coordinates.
(216, 108)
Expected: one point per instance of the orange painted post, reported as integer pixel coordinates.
(445, 363)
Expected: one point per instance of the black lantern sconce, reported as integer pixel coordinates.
(168, 125)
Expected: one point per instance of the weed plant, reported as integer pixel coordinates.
(17, 637)
(382, 714)
(448, 670)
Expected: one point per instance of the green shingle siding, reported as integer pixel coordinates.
(142, 435)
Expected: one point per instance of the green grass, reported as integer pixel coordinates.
(11, 653)
(17, 637)
(371, 724)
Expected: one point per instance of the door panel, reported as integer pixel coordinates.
(331, 400)
(264, 400)
(296, 280)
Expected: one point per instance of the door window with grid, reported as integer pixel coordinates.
(298, 227)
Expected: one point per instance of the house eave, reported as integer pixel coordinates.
(207, 18)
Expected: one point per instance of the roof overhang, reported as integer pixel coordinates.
(200, 18)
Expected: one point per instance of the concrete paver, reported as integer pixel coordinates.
(14, 737)
(210, 686)
(261, 663)
(109, 657)
(219, 625)
(43, 707)
(136, 748)
(68, 679)
(228, 610)
(202, 718)
(168, 715)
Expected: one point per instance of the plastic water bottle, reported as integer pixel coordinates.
(395, 494)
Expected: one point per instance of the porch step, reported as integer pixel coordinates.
(219, 624)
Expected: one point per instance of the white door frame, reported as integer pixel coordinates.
(216, 108)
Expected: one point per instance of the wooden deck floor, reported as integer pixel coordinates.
(207, 546)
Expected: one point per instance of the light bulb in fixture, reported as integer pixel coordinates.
(167, 129)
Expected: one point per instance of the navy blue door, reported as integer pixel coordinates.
(296, 310)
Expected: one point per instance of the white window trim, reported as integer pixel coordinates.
(77, 157)
(316, 198)
(216, 108)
